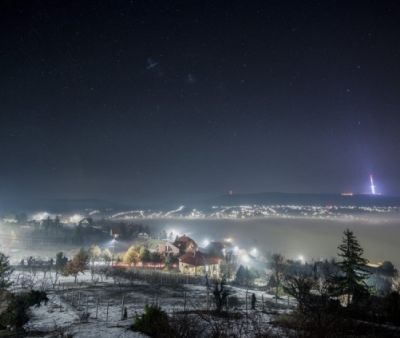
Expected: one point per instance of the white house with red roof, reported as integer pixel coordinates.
(196, 263)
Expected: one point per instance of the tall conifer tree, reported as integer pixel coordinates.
(351, 281)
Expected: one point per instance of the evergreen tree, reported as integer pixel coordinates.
(61, 261)
(57, 223)
(144, 254)
(5, 272)
(243, 276)
(47, 223)
(351, 280)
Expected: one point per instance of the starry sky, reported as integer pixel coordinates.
(157, 100)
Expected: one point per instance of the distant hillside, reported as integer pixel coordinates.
(273, 198)
(58, 205)
(263, 199)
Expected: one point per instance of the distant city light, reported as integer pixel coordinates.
(347, 194)
(40, 216)
(74, 219)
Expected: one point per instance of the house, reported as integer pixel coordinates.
(86, 222)
(143, 236)
(167, 249)
(196, 263)
(185, 244)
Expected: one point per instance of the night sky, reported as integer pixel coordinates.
(157, 100)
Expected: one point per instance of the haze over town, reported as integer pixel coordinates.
(177, 169)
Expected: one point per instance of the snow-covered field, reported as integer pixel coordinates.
(105, 300)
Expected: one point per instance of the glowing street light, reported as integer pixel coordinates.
(254, 252)
(76, 218)
(206, 242)
(245, 258)
(301, 259)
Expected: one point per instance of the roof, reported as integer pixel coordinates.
(184, 242)
(185, 239)
(198, 258)
(155, 244)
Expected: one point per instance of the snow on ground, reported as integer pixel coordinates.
(51, 316)
(49, 320)
(68, 301)
(96, 330)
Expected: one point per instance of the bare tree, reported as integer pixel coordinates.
(94, 254)
(221, 294)
(277, 265)
(77, 264)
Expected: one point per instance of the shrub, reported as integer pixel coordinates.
(233, 301)
(16, 314)
(153, 322)
(187, 326)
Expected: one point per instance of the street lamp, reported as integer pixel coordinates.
(113, 242)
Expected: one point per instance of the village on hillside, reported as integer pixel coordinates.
(132, 272)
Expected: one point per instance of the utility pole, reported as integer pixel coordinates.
(122, 307)
(97, 307)
(108, 305)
